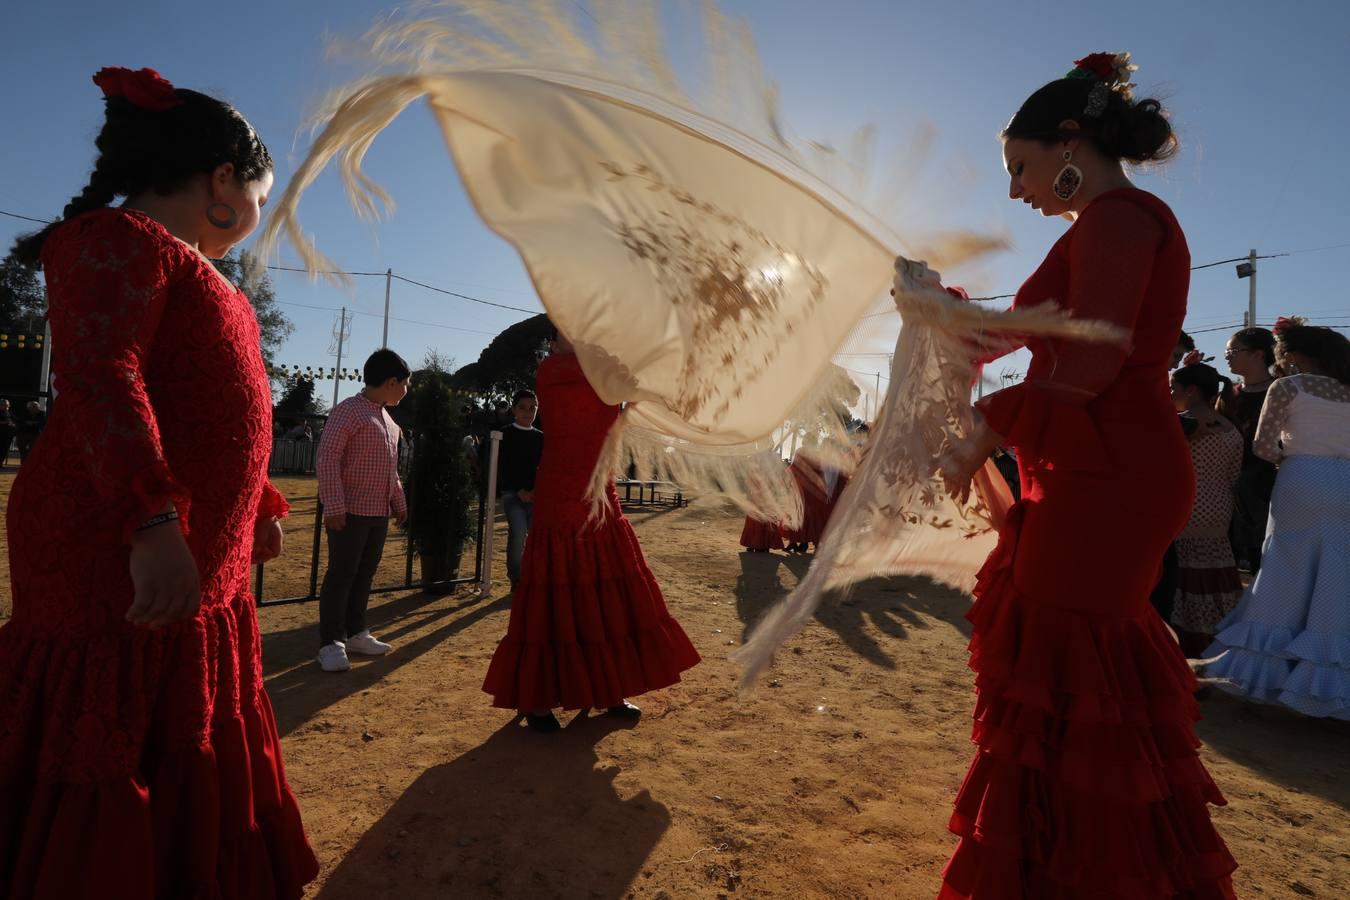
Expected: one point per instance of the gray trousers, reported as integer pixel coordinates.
(353, 556)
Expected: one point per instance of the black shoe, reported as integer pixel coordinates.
(547, 723)
(624, 710)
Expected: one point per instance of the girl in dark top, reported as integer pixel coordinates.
(1250, 354)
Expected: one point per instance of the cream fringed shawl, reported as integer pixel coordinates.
(705, 267)
(706, 272)
(895, 517)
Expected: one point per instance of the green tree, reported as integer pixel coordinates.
(509, 362)
(22, 296)
(272, 322)
(441, 486)
(298, 400)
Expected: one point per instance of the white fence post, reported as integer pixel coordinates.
(490, 518)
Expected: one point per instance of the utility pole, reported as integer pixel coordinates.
(388, 281)
(1251, 291)
(1248, 270)
(340, 333)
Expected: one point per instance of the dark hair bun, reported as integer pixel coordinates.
(1137, 132)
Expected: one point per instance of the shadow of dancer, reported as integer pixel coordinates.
(300, 692)
(519, 816)
(892, 606)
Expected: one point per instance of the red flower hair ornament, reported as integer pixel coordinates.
(1284, 323)
(145, 89)
(1111, 69)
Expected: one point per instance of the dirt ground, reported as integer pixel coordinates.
(834, 780)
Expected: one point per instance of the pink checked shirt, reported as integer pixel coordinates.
(358, 461)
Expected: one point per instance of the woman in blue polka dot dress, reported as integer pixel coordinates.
(1288, 641)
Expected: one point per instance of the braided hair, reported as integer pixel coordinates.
(142, 148)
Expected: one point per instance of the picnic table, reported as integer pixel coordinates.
(652, 492)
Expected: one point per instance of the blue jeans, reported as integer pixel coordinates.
(519, 514)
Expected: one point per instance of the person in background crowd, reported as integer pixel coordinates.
(518, 458)
(29, 428)
(1185, 344)
(360, 489)
(6, 431)
(1250, 355)
(1288, 641)
(1208, 585)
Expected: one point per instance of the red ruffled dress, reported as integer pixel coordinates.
(589, 627)
(137, 762)
(757, 534)
(816, 501)
(1087, 782)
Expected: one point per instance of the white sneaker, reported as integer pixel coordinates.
(366, 645)
(333, 658)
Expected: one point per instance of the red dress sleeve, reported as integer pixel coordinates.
(107, 281)
(273, 505)
(1110, 258)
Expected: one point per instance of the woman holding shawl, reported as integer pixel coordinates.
(1087, 782)
(589, 627)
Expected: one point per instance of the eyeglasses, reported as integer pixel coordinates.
(1228, 354)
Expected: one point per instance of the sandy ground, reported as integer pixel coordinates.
(834, 780)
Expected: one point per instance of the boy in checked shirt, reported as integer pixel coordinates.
(360, 489)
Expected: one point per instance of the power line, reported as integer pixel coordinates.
(372, 315)
(472, 299)
(533, 312)
(1239, 259)
(866, 374)
(380, 274)
(25, 218)
(398, 277)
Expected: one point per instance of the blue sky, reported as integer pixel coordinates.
(1258, 93)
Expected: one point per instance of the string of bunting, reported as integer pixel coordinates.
(329, 373)
(21, 340)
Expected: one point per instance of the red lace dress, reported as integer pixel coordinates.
(589, 626)
(1087, 782)
(137, 762)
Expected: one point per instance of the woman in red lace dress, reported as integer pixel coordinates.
(139, 756)
(1087, 782)
(589, 627)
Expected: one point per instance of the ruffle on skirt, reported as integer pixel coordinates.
(1309, 673)
(589, 627)
(115, 785)
(1288, 641)
(1087, 781)
(758, 535)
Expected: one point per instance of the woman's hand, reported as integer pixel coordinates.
(914, 276)
(164, 576)
(958, 465)
(267, 540)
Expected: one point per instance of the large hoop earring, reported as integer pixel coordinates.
(1069, 179)
(226, 221)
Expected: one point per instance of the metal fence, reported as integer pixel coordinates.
(477, 550)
